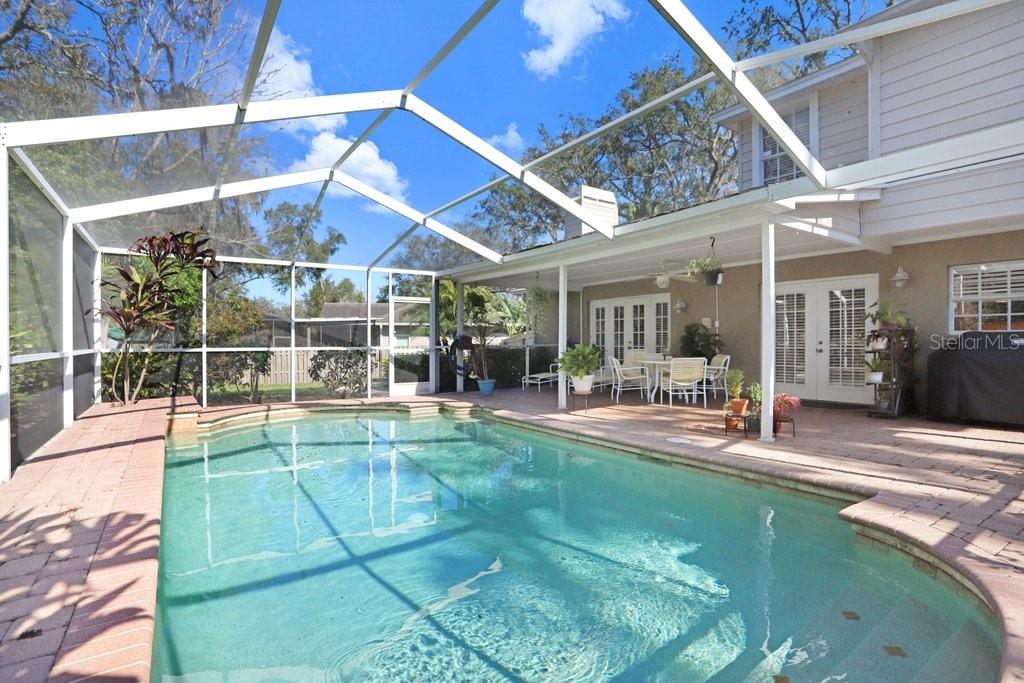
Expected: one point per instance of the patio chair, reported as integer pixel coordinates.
(603, 378)
(685, 377)
(628, 377)
(541, 378)
(634, 357)
(714, 374)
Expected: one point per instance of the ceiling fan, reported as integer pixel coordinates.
(663, 277)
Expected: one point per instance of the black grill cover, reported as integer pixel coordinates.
(981, 378)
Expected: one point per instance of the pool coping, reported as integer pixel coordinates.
(878, 516)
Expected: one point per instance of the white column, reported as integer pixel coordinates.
(291, 350)
(97, 327)
(202, 334)
(434, 334)
(563, 331)
(460, 313)
(5, 320)
(369, 334)
(67, 321)
(767, 327)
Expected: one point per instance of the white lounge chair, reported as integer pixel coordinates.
(628, 377)
(714, 374)
(685, 378)
(541, 378)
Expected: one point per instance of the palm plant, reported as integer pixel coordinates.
(143, 301)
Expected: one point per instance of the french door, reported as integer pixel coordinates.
(638, 322)
(819, 338)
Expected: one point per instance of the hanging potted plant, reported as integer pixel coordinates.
(756, 395)
(875, 370)
(783, 406)
(709, 265)
(736, 405)
(581, 362)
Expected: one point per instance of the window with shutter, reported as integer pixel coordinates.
(987, 296)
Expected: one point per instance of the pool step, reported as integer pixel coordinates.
(897, 647)
(967, 655)
(710, 653)
(833, 632)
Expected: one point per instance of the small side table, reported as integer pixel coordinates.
(586, 400)
(742, 417)
(745, 419)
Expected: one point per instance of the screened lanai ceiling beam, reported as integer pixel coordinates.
(54, 131)
(39, 180)
(689, 27)
(392, 204)
(882, 28)
(156, 202)
(487, 151)
(394, 245)
(482, 11)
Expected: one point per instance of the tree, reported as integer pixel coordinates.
(762, 25)
(143, 301)
(672, 157)
(324, 290)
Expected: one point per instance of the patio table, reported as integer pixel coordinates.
(654, 367)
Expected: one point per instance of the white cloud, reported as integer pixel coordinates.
(510, 141)
(287, 73)
(566, 25)
(366, 164)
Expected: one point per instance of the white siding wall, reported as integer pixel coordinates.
(992, 197)
(746, 149)
(842, 127)
(843, 123)
(953, 77)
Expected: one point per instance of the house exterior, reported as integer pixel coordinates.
(957, 232)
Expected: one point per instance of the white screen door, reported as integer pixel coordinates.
(819, 338)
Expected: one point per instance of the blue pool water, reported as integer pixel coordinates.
(378, 548)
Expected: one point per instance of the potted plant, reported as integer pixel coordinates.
(581, 362)
(885, 316)
(736, 405)
(875, 370)
(479, 316)
(710, 266)
(756, 394)
(783, 406)
(698, 341)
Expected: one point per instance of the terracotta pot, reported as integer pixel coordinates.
(736, 407)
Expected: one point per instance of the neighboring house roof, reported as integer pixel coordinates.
(354, 310)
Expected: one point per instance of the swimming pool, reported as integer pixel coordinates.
(378, 548)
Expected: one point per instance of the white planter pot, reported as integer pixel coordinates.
(583, 384)
(878, 344)
(873, 377)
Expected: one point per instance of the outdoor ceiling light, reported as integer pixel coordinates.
(662, 280)
(901, 277)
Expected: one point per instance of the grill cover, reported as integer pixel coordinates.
(981, 379)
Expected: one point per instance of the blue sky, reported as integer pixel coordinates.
(526, 63)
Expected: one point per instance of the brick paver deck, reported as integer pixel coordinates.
(79, 523)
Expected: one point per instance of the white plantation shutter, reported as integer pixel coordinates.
(987, 296)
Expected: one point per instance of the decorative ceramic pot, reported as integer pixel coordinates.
(713, 277)
(737, 406)
(583, 385)
(486, 386)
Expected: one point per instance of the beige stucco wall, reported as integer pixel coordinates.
(925, 297)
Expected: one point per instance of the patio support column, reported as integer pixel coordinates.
(5, 317)
(369, 333)
(202, 338)
(67, 324)
(97, 327)
(435, 343)
(563, 331)
(292, 358)
(460, 312)
(767, 328)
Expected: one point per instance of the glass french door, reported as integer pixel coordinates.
(620, 325)
(819, 338)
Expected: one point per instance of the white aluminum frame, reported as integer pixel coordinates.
(1000, 142)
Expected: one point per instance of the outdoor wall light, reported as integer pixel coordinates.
(901, 277)
(680, 306)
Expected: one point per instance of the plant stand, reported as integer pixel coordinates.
(586, 400)
(892, 396)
